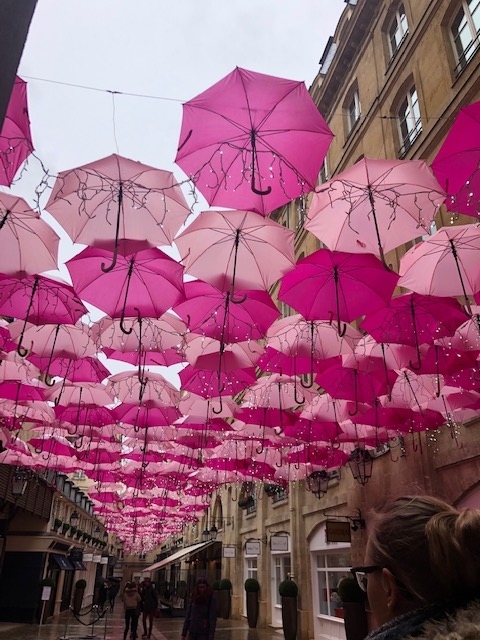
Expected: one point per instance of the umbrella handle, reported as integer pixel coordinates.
(106, 269)
(297, 399)
(238, 300)
(259, 192)
(189, 134)
(220, 408)
(260, 449)
(307, 385)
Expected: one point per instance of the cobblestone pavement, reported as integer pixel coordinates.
(111, 628)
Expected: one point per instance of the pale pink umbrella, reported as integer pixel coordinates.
(145, 415)
(324, 408)
(445, 264)
(150, 342)
(83, 414)
(153, 387)
(87, 369)
(36, 411)
(207, 353)
(276, 391)
(78, 394)
(375, 206)
(411, 390)
(236, 250)
(200, 409)
(467, 335)
(114, 198)
(27, 243)
(14, 367)
(52, 444)
(209, 383)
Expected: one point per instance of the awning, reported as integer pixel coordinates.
(178, 555)
(78, 565)
(62, 562)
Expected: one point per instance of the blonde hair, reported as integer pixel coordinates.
(431, 548)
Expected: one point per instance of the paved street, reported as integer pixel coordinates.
(111, 628)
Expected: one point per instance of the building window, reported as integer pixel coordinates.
(301, 211)
(398, 30)
(409, 120)
(331, 568)
(352, 110)
(282, 568)
(323, 175)
(465, 32)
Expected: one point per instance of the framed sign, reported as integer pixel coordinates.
(97, 559)
(279, 542)
(252, 548)
(88, 557)
(336, 531)
(104, 560)
(229, 552)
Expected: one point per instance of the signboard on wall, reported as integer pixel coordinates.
(336, 531)
(279, 543)
(229, 552)
(88, 557)
(97, 558)
(252, 548)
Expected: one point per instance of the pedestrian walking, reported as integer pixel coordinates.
(113, 592)
(131, 603)
(201, 616)
(149, 596)
(102, 595)
(422, 572)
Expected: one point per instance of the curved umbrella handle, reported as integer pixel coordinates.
(220, 409)
(117, 232)
(259, 192)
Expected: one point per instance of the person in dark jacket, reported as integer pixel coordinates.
(149, 596)
(201, 617)
(131, 602)
(422, 572)
(112, 593)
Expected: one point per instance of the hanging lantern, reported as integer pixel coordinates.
(317, 483)
(360, 463)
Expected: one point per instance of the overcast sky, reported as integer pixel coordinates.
(171, 50)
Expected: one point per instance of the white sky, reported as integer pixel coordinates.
(170, 50)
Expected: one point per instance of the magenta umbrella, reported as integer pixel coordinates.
(15, 137)
(253, 141)
(210, 312)
(456, 164)
(234, 250)
(414, 319)
(114, 199)
(333, 285)
(86, 369)
(146, 414)
(27, 243)
(152, 387)
(213, 384)
(375, 206)
(142, 282)
(39, 300)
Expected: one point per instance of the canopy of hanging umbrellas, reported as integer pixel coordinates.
(366, 355)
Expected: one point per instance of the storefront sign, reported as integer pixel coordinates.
(279, 543)
(336, 531)
(229, 552)
(97, 559)
(88, 557)
(104, 560)
(46, 593)
(252, 548)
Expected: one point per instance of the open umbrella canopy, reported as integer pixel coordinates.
(236, 250)
(375, 206)
(15, 137)
(253, 141)
(27, 243)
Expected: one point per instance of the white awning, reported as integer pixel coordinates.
(178, 555)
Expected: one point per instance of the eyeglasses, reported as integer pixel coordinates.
(361, 575)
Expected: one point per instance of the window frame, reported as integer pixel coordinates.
(408, 109)
(400, 20)
(468, 50)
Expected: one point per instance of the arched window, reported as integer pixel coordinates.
(465, 32)
(397, 30)
(409, 120)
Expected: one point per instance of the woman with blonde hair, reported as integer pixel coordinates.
(422, 573)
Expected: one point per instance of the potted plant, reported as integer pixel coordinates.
(252, 589)
(57, 523)
(79, 534)
(216, 588)
(73, 531)
(225, 598)
(65, 527)
(354, 614)
(80, 587)
(272, 489)
(288, 591)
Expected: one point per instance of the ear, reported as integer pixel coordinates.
(392, 593)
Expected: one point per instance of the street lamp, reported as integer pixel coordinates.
(360, 463)
(19, 482)
(74, 518)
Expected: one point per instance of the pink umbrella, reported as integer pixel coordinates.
(208, 353)
(142, 283)
(456, 164)
(52, 444)
(332, 285)
(414, 319)
(236, 250)
(82, 370)
(212, 384)
(375, 206)
(84, 414)
(200, 409)
(153, 387)
(276, 391)
(147, 414)
(209, 312)
(412, 391)
(114, 199)
(295, 345)
(325, 408)
(85, 393)
(150, 342)
(445, 264)
(14, 390)
(14, 367)
(15, 137)
(27, 243)
(253, 141)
